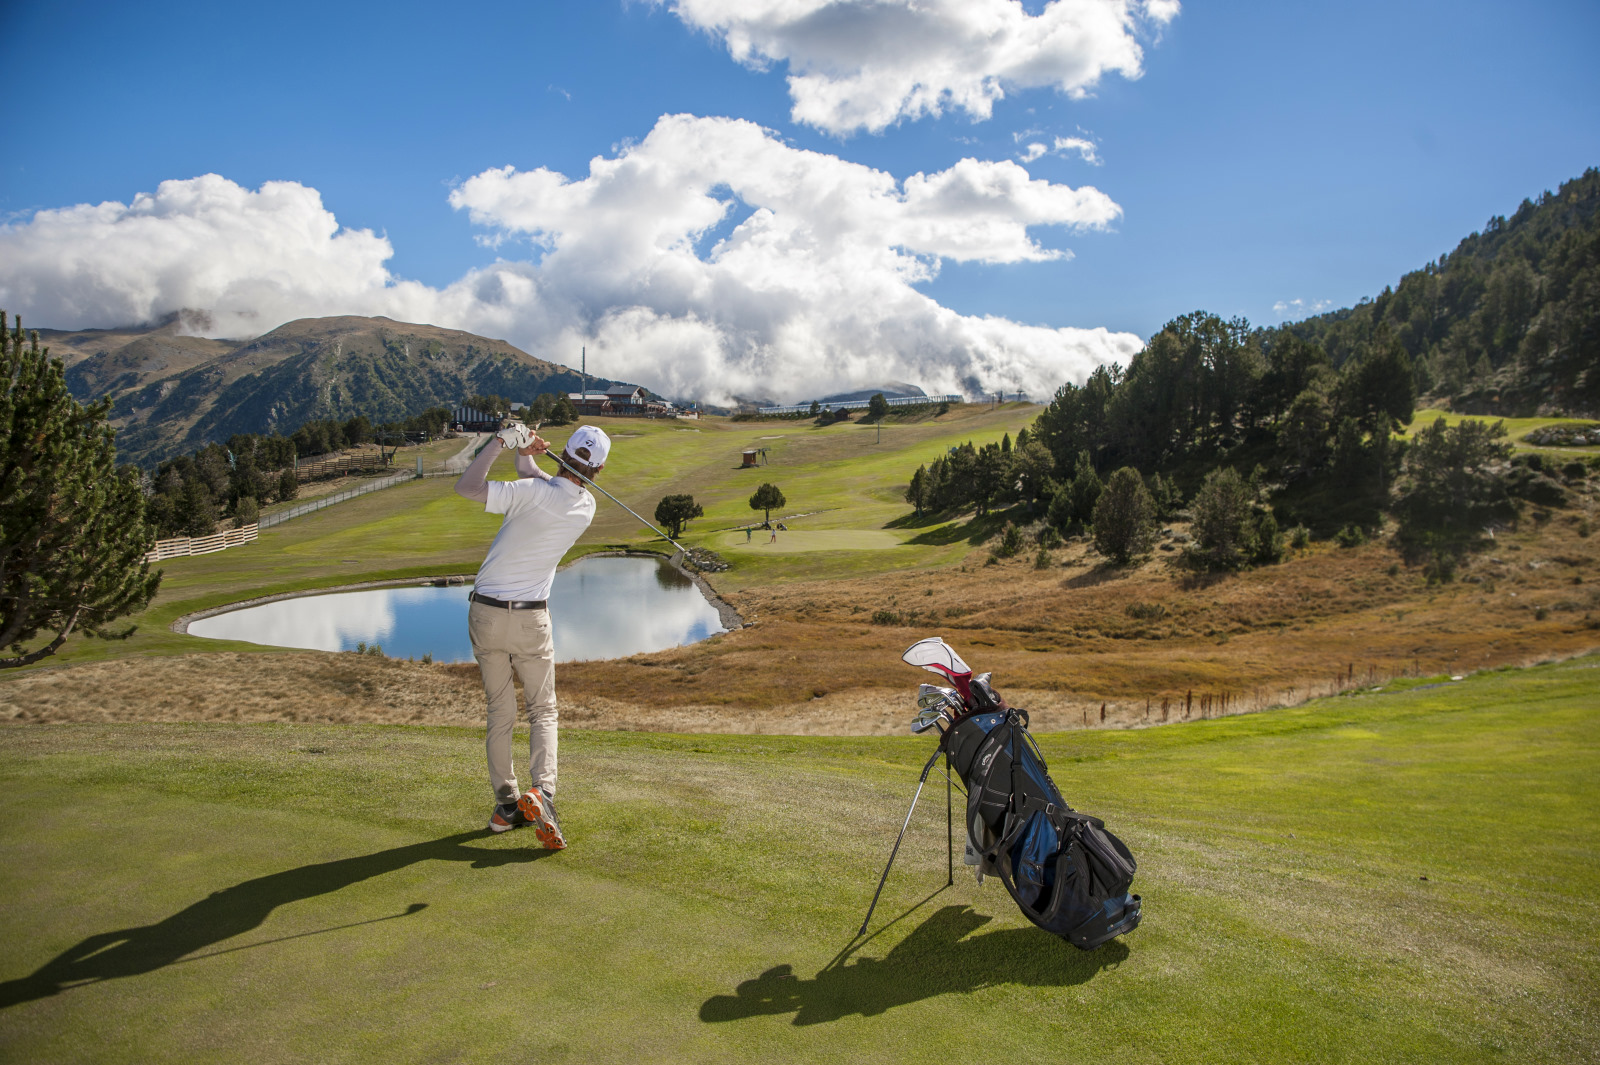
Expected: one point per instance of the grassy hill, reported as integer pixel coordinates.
(174, 393)
(1402, 876)
(855, 580)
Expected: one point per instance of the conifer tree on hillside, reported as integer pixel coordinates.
(767, 498)
(73, 533)
(1124, 517)
(676, 511)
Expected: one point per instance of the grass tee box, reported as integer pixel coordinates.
(1403, 876)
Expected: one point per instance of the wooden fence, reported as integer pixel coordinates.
(179, 546)
(315, 471)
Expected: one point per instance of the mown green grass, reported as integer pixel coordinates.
(1516, 428)
(838, 476)
(241, 893)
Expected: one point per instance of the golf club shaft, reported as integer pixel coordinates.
(614, 499)
(897, 840)
(949, 824)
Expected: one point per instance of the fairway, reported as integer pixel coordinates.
(1397, 876)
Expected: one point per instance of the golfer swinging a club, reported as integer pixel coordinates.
(508, 619)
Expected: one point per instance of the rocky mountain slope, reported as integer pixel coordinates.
(173, 393)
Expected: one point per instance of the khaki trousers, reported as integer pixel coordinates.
(502, 641)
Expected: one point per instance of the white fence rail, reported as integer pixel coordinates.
(179, 546)
(280, 516)
(201, 545)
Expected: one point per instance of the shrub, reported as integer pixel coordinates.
(1440, 567)
(1352, 535)
(1146, 611)
(1042, 559)
(1010, 542)
(1269, 541)
(885, 617)
(288, 486)
(1299, 537)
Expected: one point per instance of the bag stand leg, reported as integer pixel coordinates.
(949, 827)
(897, 840)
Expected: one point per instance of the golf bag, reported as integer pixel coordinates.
(1066, 872)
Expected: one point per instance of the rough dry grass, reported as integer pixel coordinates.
(1081, 645)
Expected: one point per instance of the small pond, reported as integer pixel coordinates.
(602, 608)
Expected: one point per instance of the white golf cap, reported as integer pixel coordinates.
(589, 445)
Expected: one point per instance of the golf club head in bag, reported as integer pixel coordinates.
(935, 704)
(936, 656)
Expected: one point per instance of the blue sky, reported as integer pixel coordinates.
(1268, 153)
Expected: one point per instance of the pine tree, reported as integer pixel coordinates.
(1124, 517)
(675, 512)
(73, 533)
(1225, 526)
(767, 498)
(917, 490)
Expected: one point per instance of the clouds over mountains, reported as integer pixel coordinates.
(865, 65)
(710, 259)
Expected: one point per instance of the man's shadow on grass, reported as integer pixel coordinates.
(940, 957)
(235, 910)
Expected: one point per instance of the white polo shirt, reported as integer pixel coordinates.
(543, 519)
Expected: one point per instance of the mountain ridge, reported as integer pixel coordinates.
(172, 393)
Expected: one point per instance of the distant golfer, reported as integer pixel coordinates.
(508, 620)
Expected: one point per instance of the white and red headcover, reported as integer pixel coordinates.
(936, 656)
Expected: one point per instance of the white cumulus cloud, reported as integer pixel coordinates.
(1085, 149)
(708, 260)
(865, 64)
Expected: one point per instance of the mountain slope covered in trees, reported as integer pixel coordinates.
(174, 393)
(1508, 323)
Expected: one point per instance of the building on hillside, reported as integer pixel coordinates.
(590, 402)
(620, 401)
(860, 404)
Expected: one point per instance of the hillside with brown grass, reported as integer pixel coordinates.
(1152, 643)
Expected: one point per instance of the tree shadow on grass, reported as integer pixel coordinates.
(940, 957)
(977, 530)
(1099, 574)
(236, 910)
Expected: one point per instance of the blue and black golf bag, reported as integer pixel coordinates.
(1067, 873)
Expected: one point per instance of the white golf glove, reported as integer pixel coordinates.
(516, 436)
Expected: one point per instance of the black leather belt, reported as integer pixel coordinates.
(511, 604)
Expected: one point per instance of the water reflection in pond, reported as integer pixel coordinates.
(602, 608)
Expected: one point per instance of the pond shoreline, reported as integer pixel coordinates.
(729, 617)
